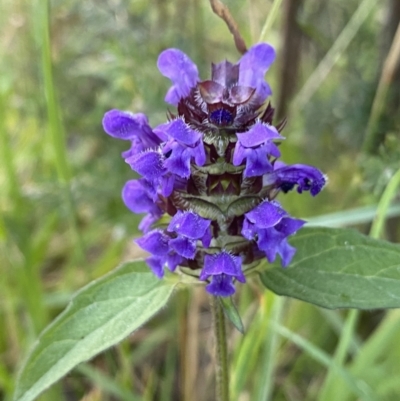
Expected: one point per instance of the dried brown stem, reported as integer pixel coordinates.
(223, 12)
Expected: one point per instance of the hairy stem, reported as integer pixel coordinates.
(221, 351)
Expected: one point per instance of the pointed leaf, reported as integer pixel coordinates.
(339, 268)
(231, 312)
(99, 316)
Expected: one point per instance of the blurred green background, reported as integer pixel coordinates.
(63, 224)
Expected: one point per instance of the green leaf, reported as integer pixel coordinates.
(231, 312)
(339, 268)
(99, 316)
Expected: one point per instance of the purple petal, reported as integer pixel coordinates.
(222, 262)
(253, 66)
(129, 126)
(155, 242)
(221, 286)
(180, 131)
(156, 264)
(273, 240)
(173, 261)
(137, 199)
(286, 252)
(289, 226)
(180, 69)
(199, 154)
(239, 154)
(179, 161)
(307, 178)
(147, 221)
(258, 134)
(167, 185)
(149, 164)
(257, 163)
(225, 73)
(189, 224)
(268, 241)
(249, 230)
(266, 214)
(206, 238)
(184, 247)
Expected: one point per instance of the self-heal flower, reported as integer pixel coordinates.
(257, 148)
(223, 268)
(137, 198)
(285, 178)
(213, 168)
(189, 228)
(131, 127)
(183, 145)
(180, 69)
(270, 225)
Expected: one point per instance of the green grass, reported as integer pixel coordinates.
(62, 222)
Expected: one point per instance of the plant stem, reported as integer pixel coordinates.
(221, 351)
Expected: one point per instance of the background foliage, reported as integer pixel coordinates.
(62, 222)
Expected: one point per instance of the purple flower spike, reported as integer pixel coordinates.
(218, 147)
(307, 178)
(129, 126)
(256, 147)
(222, 268)
(253, 66)
(180, 69)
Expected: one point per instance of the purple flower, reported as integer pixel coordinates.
(157, 243)
(270, 225)
(130, 127)
(189, 228)
(257, 148)
(285, 178)
(139, 199)
(180, 69)
(253, 66)
(183, 145)
(223, 268)
(213, 169)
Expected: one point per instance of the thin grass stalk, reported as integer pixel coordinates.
(332, 56)
(339, 358)
(191, 349)
(7, 157)
(269, 356)
(361, 389)
(387, 197)
(57, 134)
(221, 351)
(371, 140)
(270, 20)
(248, 352)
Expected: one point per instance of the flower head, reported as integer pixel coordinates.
(213, 168)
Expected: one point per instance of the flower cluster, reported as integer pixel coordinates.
(213, 168)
